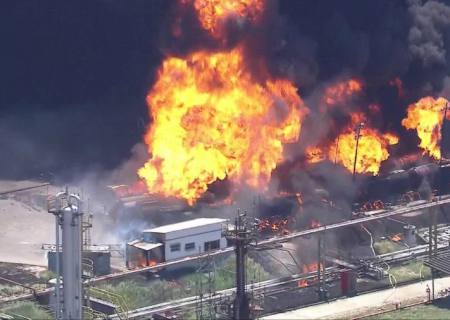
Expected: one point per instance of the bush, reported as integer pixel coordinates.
(6, 291)
(387, 246)
(27, 309)
(139, 294)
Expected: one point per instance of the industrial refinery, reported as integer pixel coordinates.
(233, 159)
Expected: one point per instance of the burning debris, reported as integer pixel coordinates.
(307, 268)
(276, 225)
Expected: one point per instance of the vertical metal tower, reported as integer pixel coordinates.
(69, 216)
(241, 237)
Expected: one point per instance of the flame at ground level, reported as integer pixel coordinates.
(212, 120)
(372, 150)
(372, 147)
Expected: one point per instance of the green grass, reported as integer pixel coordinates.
(27, 309)
(417, 312)
(138, 294)
(143, 293)
(387, 246)
(46, 275)
(411, 271)
(414, 270)
(6, 291)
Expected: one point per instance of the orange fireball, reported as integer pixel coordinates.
(212, 120)
(426, 117)
(212, 13)
(372, 147)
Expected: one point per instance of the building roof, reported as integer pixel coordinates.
(186, 225)
(144, 245)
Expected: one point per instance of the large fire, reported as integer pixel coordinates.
(213, 13)
(212, 120)
(426, 117)
(372, 147)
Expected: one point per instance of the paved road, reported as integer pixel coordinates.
(347, 308)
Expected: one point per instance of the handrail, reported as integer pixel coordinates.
(116, 299)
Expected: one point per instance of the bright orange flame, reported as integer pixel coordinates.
(212, 120)
(372, 147)
(213, 13)
(306, 268)
(314, 154)
(340, 92)
(426, 116)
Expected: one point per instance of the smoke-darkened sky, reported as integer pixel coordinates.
(74, 75)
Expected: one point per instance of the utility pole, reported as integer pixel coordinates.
(241, 237)
(357, 136)
(442, 130)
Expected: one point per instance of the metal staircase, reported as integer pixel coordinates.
(116, 299)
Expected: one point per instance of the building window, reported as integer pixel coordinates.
(175, 247)
(189, 246)
(212, 245)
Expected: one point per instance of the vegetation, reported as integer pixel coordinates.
(414, 270)
(139, 294)
(46, 275)
(411, 271)
(435, 311)
(387, 246)
(6, 291)
(27, 309)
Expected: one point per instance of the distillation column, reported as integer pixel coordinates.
(69, 216)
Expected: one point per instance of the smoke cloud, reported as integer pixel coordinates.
(428, 35)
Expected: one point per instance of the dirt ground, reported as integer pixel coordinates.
(25, 224)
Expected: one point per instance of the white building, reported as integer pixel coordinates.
(175, 241)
